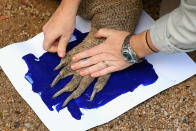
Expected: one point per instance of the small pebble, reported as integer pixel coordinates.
(194, 93)
(156, 118)
(24, 129)
(1, 115)
(147, 105)
(187, 86)
(25, 25)
(185, 120)
(27, 125)
(111, 126)
(136, 127)
(16, 124)
(8, 13)
(165, 113)
(14, 96)
(48, 14)
(9, 7)
(17, 112)
(100, 129)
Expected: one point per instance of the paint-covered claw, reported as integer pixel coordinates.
(56, 80)
(83, 85)
(66, 71)
(93, 94)
(64, 62)
(101, 82)
(59, 93)
(60, 65)
(73, 84)
(68, 100)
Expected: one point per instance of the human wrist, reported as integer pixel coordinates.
(141, 45)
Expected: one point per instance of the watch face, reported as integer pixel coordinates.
(127, 56)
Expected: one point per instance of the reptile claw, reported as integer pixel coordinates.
(93, 94)
(67, 100)
(56, 80)
(58, 66)
(58, 93)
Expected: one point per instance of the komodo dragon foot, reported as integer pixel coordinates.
(120, 15)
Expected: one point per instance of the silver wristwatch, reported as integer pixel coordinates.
(128, 54)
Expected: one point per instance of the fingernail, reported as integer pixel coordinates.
(61, 54)
(73, 66)
(95, 74)
(73, 58)
(83, 73)
(92, 75)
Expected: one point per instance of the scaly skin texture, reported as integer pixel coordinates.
(115, 14)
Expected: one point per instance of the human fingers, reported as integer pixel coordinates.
(89, 61)
(104, 71)
(47, 42)
(112, 66)
(61, 50)
(104, 32)
(49, 37)
(53, 48)
(89, 52)
(92, 69)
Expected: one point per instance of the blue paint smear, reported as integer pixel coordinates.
(41, 75)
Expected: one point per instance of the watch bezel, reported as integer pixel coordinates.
(128, 53)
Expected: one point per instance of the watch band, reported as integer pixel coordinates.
(128, 54)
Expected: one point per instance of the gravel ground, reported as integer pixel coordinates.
(173, 109)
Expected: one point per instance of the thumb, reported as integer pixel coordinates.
(104, 32)
(48, 41)
(62, 45)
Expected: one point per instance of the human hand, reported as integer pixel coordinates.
(58, 31)
(104, 58)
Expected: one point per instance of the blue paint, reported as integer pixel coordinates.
(41, 74)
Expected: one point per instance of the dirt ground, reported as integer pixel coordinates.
(173, 109)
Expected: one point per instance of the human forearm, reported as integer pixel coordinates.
(70, 6)
(139, 44)
(175, 32)
(58, 30)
